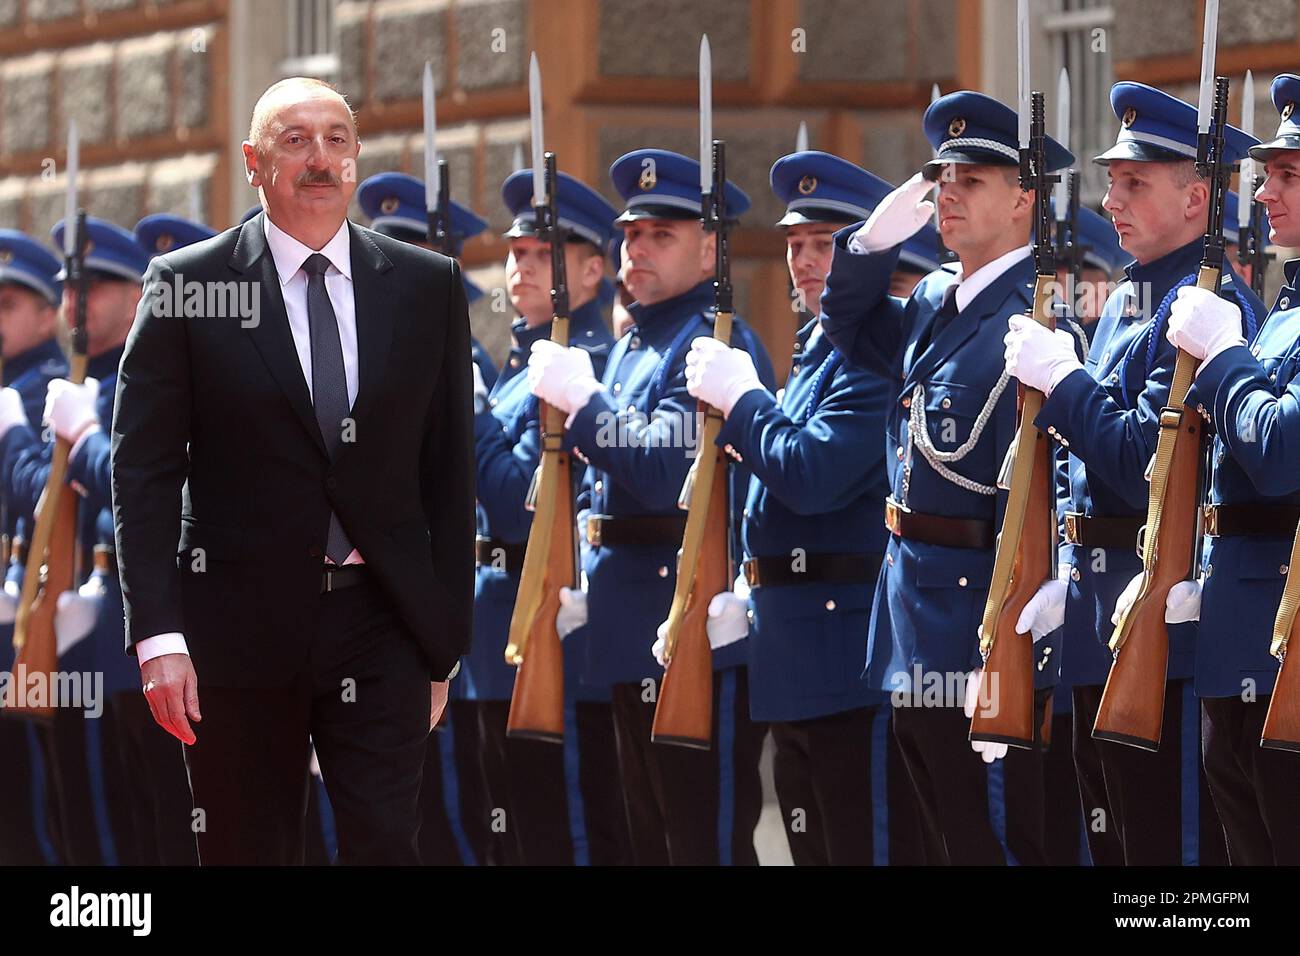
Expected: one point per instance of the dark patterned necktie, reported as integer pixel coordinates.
(329, 384)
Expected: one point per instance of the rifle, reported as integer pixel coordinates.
(1251, 240)
(51, 557)
(1026, 550)
(684, 712)
(550, 558)
(1281, 729)
(1132, 705)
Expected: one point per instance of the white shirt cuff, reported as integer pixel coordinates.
(173, 642)
(81, 440)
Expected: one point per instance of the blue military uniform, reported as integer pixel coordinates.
(637, 435)
(813, 538)
(950, 420)
(1108, 415)
(24, 830)
(565, 800)
(1255, 505)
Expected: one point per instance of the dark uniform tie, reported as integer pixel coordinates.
(329, 384)
(942, 319)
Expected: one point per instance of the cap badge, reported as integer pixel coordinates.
(807, 185)
(6, 256)
(648, 179)
(164, 242)
(1129, 118)
(388, 206)
(957, 126)
(1288, 109)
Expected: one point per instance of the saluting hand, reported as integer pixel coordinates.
(1203, 324)
(172, 689)
(898, 217)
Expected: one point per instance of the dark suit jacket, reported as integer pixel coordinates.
(222, 487)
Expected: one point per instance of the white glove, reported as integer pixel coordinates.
(718, 374)
(1182, 603)
(1037, 356)
(76, 612)
(897, 218)
(10, 594)
(11, 410)
(728, 622)
(988, 750)
(573, 611)
(561, 377)
(71, 408)
(1045, 611)
(1203, 324)
(480, 390)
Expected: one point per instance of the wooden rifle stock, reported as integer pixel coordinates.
(1026, 557)
(684, 712)
(1133, 703)
(1282, 723)
(50, 570)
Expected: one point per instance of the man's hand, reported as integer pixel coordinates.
(1182, 603)
(988, 750)
(897, 218)
(728, 622)
(561, 377)
(1045, 611)
(437, 700)
(11, 410)
(718, 374)
(69, 408)
(1037, 356)
(1203, 324)
(573, 611)
(172, 689)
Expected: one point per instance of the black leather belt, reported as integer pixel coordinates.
(1232, 521)
(1092, 531)
(337, 578)
(813, 569)
(488, 550)
(936, 529)
(604, 530)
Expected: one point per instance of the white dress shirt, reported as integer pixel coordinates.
(986, 275)
(289, 255)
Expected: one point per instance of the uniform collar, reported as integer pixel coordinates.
(693, 301)
(1289, 270)
(1170, 267)
(971, 286)
(584, 318)
(811, 341)
(33, 357)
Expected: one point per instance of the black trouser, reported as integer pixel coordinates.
(952, 787)
(1144, 790)
(1099, 820)
(18, 842)
(74, 828)
(542, 785)
(823, 769)
(151, 763)
(688, 806)
(1256, 790)
(364, 700)
(497, 811)
(1064, 819)
(438, 845)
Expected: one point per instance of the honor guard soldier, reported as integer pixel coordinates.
(454, 806)
(395, 204)
(1250, 395)
(97, 819)
(1102, 260)
(950, 421)
(813, 537)
(564, 802)
(1106, 413)
(635, 426)
(29, 299)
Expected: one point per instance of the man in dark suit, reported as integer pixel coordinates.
(293, 498)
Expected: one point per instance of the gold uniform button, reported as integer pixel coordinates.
(663, 570)
(1074, 574)
(600, 486)
(961, 581)
(899, 453)
(946, 403)
(1284, 569)
(830, 605)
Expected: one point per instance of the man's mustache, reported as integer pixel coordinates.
(322, 177)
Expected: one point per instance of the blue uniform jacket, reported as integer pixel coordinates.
(930, 598)
(1108, 415)
(640, 439)
(1252, 396)
(508, 449)
(817, 487)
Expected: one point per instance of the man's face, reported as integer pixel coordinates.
(809, 247)
(979, 206)
(110, 310)
(305, 163)
(1280, 194)
(902, 282)
(1149, 208)
(26, 319)
(663, 258)
(1093, 289)
(528, 276)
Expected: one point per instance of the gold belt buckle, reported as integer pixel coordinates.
(593, 531)
(1210, 514)
(750, 570)
(1072, 527)
(893, 512)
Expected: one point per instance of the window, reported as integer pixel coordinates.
(310, 45)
